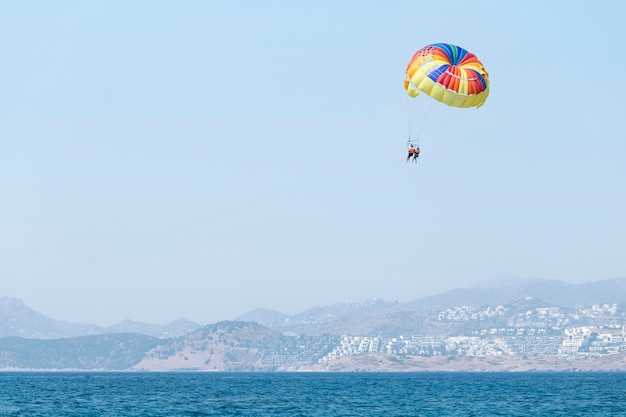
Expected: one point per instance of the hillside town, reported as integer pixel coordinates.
(572, 344)
(532, 332)
(541, 331)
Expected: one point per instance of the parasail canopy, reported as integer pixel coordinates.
(449, 74)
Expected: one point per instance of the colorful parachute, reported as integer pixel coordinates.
(449, 74)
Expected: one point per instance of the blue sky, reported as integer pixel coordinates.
(201, 159)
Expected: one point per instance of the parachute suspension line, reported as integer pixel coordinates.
(444, 118)
(427, 116)
(410, 116)
(420, 113)
(415, 117)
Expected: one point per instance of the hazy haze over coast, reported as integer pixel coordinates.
(202, 159)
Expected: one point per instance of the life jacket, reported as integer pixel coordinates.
(411, 149)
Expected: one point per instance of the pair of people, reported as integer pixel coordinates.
(413, 152)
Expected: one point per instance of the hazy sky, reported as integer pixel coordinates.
(200, 159)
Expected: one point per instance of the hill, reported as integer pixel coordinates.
(99, 352)
(235, 346)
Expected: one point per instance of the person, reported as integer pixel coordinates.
(411, 152)
(416, 154)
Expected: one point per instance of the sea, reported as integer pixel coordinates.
(312, 394)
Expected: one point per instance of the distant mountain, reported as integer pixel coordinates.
(365, 317)
(551, 291)
(165, 331)
(368, 317)
(343, 311)
(265, 317)
(337, 318)
(18, 320)
(415, 317)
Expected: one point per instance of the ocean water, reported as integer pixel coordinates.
(312, 394)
